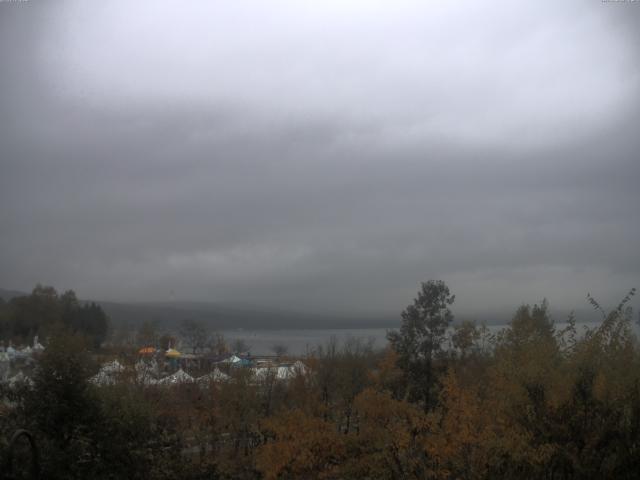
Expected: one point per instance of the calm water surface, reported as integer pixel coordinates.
(300, 342)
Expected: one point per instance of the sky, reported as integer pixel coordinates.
(324, 156)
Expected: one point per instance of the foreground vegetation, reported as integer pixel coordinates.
(529, 402)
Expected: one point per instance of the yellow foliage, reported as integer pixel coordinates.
(460, 432)
(302, 447)
(388, 443)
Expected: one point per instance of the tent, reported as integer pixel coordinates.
(108, 373)
(215, 376)
(147, 351)
(146, 372)
(20, 379)
(112, 367)
(281, 372)
(179, 377)
(37, 346)
(237, 361)
(172, 353)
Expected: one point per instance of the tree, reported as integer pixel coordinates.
(69, 302)
(301, 446)
(147, 334)
(90, 320)
(37, 313)
(239, 345)
(353, 364)
(420, 339)
(194, 333)
(239, 404)
(44, 311)
(62, 403)
(83, 431)
(218, 344)
(279, 349)
(5, 327)
(390, 439)
(459, 434)
(166, 341)
(387, 376)
(531, 325)
(465, 336)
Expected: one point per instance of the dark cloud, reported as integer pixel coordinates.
(321, 157)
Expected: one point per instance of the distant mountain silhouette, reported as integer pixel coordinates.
(234, 315)
(7, 295)
(223, 315)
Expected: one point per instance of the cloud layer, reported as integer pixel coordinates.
(321, 155)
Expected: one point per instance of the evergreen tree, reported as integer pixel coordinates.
(420, 339)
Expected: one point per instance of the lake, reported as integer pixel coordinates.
(299, 342)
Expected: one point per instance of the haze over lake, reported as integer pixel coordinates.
(302, 342)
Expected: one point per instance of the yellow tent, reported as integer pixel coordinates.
(172, 353)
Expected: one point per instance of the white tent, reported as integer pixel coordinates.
(145, 378)
(108, 373)
(102, 378)
(281, 372)
(299, 368)
(37, 346)
(284, 373)
(112, 367)
(179, 377)
(215, 376)
(147, 372)
(232, 359)
(20, 378)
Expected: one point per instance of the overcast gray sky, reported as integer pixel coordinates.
(324, 155)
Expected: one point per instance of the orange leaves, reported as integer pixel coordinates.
(388, 376)
(379, 410)
(302, 447)
(385, 443)
(388, 441)
(460, 432)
